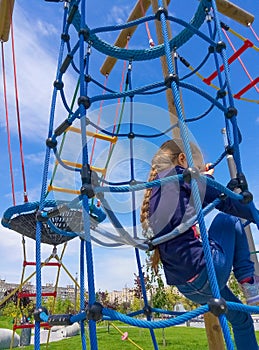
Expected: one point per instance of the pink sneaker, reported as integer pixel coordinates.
(251, 291)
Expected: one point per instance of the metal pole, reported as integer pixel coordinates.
(233, 172)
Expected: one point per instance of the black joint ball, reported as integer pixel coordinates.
(94, 312)
(247, 197)
(37, 313)
(190, 173)
(217, 306)
(161, 11)
(51, 143)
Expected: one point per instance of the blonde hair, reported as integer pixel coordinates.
(163, 159)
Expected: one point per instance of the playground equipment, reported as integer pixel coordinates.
(78, 214)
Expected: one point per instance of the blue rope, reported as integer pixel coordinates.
(41, 206)
(147, 54)
(90, 36)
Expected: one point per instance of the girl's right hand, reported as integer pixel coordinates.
(208, 171)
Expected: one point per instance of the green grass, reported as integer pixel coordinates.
(6, 322)
(177, 338)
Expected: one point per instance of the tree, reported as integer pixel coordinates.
(18, 306)
(233, 285)
(102, 298)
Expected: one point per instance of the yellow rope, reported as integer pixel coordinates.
(130, 340)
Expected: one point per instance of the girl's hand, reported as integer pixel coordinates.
(208, 171)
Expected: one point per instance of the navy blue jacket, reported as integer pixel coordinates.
(172, 204)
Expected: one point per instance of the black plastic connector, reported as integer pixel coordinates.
(59, 320)
(221, 94)
(243, 185)
(222, 196)
(211, 49)
(247, 197)
(87, 189)
(88, 78)
(184, 61)
(147, 311)
(51, 143)
(94, 312)
(230, 150)
(220, 46)
(62, 127)
(159, 13)
(85, 33)
(231, 112)
(58, 84)
(85, 101)
(233, 184)
(89, 181)
(65, 37)
(131, 135)
(72, 13)
(133, 182)
(217, 306)
(40, 217)
(150, 245)
(170, 78)
(37, 313)
(190, 173)
(66, 63)
(224, 26)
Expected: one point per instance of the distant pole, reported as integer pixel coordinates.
(233, 173)
(75, 297)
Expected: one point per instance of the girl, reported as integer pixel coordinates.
(171, 204)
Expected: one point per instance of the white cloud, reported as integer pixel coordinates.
(45, 28)
(118, 14)
(36, 71)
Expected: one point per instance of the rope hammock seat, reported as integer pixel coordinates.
(23, 219)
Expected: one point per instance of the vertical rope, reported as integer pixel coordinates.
(194, 185)
(18, 116)
(82, 292)
(88, 244)
(230, 96)
(133, 199)
(7, 124)
(42, 197)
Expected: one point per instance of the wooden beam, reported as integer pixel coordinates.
(139, 11)
(6, 12)
(169, 94)
(213, 331)
(234, 12)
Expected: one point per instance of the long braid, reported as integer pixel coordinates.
(144, 215)
(164, 159)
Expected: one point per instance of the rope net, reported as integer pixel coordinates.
(102, 149)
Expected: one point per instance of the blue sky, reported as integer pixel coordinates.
(37, 29)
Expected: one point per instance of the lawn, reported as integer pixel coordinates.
(174, 337)
(177, 338)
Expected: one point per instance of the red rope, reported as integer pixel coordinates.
(7, 124)
(18, 117)
(253, 31)
(150, 40)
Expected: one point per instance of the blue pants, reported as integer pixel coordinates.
(229, 249)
